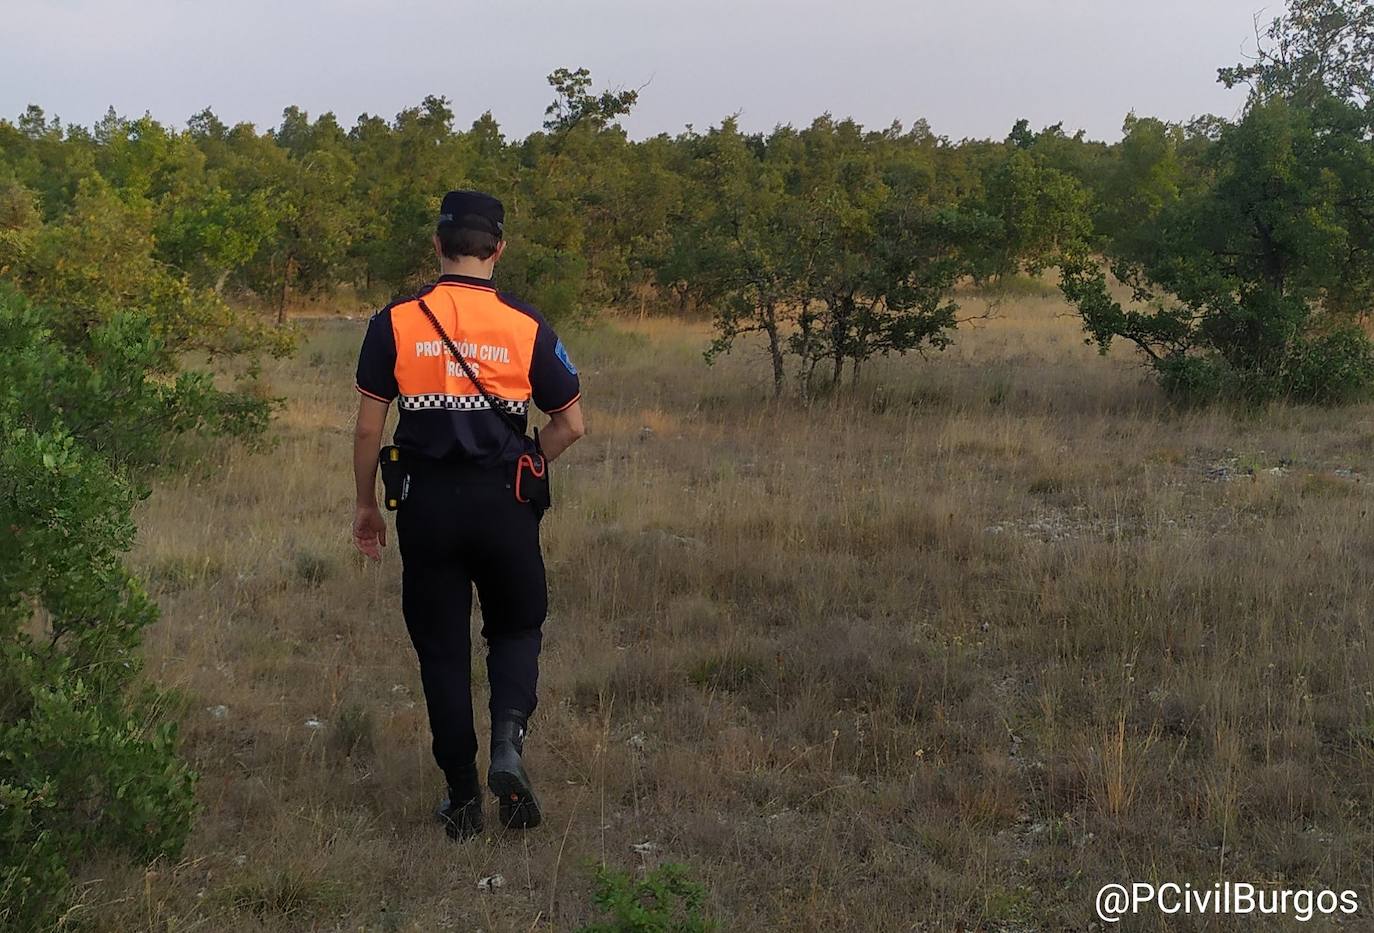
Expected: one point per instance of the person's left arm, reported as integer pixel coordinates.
(563, 430)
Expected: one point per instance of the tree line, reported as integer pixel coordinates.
(1235, 254)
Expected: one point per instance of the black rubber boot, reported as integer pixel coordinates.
(461, 813)
(507, 778)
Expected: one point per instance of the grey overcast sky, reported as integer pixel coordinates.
(971, 68)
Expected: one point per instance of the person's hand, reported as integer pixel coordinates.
(369, 531)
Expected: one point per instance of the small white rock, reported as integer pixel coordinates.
(491, 881)
(219, 712)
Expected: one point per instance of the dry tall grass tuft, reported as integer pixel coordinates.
(954, 648)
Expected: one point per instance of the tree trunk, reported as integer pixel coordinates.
(838, 331)
(770, 326)
(808, 377)
(281, 298)
(1272, 258)
(806, 362)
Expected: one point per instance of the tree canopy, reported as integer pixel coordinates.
(1226, 250)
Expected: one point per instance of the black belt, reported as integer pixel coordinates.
(463, 471)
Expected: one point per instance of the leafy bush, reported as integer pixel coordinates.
(1331, 368)
(85, 766)
(665, 900)
(1248, 269)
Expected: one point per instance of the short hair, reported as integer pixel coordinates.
(456, 241)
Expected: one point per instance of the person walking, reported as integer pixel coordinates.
(464, 362)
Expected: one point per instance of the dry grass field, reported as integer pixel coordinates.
(947, 651)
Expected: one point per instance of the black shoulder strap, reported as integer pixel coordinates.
(495, 403)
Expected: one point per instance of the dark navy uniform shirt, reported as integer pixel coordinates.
(513, 351)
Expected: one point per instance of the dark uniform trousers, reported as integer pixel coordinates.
(457, 527)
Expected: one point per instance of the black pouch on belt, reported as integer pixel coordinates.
(532, 483)
(395, 478)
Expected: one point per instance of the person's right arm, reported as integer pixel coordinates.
(562, 431)
(377, 387)
(369, 528)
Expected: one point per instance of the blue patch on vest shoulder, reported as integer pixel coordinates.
(561, 352)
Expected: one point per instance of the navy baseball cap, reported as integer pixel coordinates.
(473, 210)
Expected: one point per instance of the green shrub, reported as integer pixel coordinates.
(1331, 368)
(665, 900)
(1193, 379)
(85, 766)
